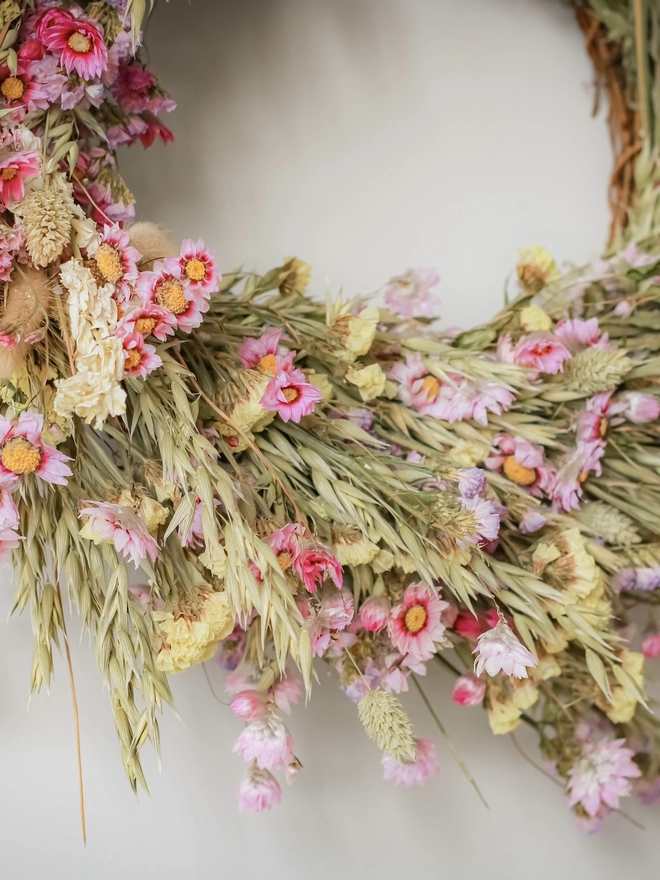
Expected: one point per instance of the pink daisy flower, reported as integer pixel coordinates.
(468, 691)
(23, 451)
(122, 526)
(78, 41)
(584, 332)
(375, 613)
(9, 523)
(117, 261)
(417, 386)
(410, 294)
(542, 352)
(470, 399)
(314, 563)
(199, 268)
(267, 742)
(14, 171)
(266, 354)
(416, 772)
(523, 463)
(140, 358)
(259, 791)
(167, 287)
(416, 623)
(498, 650)
(327, 621)
(290, 395)
(602, 775)
(566, 490)
(148, 320)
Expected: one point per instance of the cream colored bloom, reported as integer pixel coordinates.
(355, 550)
(533, 318)
(320, 381)
(468, 453)
(503, 717)
(525, 693)
(623, 705)
(548, 667)
(359, 332)
(369, 380)
(247, 413)
(536, 268)
(189, 634)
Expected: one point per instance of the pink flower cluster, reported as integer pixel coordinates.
(601, 776)
(297, 549)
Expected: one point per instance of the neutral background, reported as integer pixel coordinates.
(366, 136)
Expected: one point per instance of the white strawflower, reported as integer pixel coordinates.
(498, 650)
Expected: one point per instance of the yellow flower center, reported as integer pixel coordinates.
(602, 428)
(267, 364)
(9, 173)
(291, 394)
(195, 270)
(79, 43)
(133, 358)
(13, 88)
(518, 473)
(20, 456)
(170, 296)
(109, 262)
(145, 326)
(415, 618)
(431, 385)
(284, 560)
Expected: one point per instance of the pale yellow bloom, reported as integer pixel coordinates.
(294, 276)
(369, 380)
(623, 705)
(503, 717)
(536, 268)
(320, 381)
(533, 318)
(548, 667)
(248, 414)
(356, 550)
(360, 333)
(189, 634)
(468, 453)
(525, 693)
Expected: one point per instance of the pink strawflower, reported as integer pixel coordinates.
(542, 352)
(417, 386)
(140, 358)
(314, 563)
(156, 129)
(267, 742)
(640, 407)
(327, 621)
(123, 526)
(471, 625)
(290, 395)
(470, 399)
(14, 171)
(193, 536)
(498, 650)
(32, 87)
(259, 791)
(148, 320)
(23, 451)
(117, 260)
(602, 775)
(166, 286)
(416, 772)
(265, 353)
(286, 693)
(80, 42)
(651, 645)
(410, 294)
(132, 87)
(574, 467)
(584, 332)
(415, 624)
(375, 613)
(249, 705)
(535, 475)
(9, 523)
(468, 691)
(199, 267)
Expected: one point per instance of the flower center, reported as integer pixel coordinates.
(145, 326)
(431, 385)
(20, 456)
(79, 43)
(602, 428)
(415, 618)
(267, 364)
(291, 393)
(109, 262)
(518, 473)
(9, 173)
(133, 358)
(170, 296)
(284, 560)
(195, 270)
(13, 88)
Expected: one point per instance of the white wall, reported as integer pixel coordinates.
(365, 136)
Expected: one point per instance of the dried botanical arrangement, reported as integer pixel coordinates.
(221, 467)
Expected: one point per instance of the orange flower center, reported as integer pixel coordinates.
(20, 456)
(431, 385)
(602, 428)
(13, 88)
(9, 173)
(195, 270)
(145, 326)
(518, 473)
(284, 560)
(291, 394)
(109, 262)
(133, 358)
(79, 43)
(170, 296)
(267, 364)
(415, 618)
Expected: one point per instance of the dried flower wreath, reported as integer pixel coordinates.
(290, 479)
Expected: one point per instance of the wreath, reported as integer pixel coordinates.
(219, 466)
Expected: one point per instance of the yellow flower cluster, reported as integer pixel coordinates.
(190, 634)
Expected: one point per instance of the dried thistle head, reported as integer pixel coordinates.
(596, 369)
